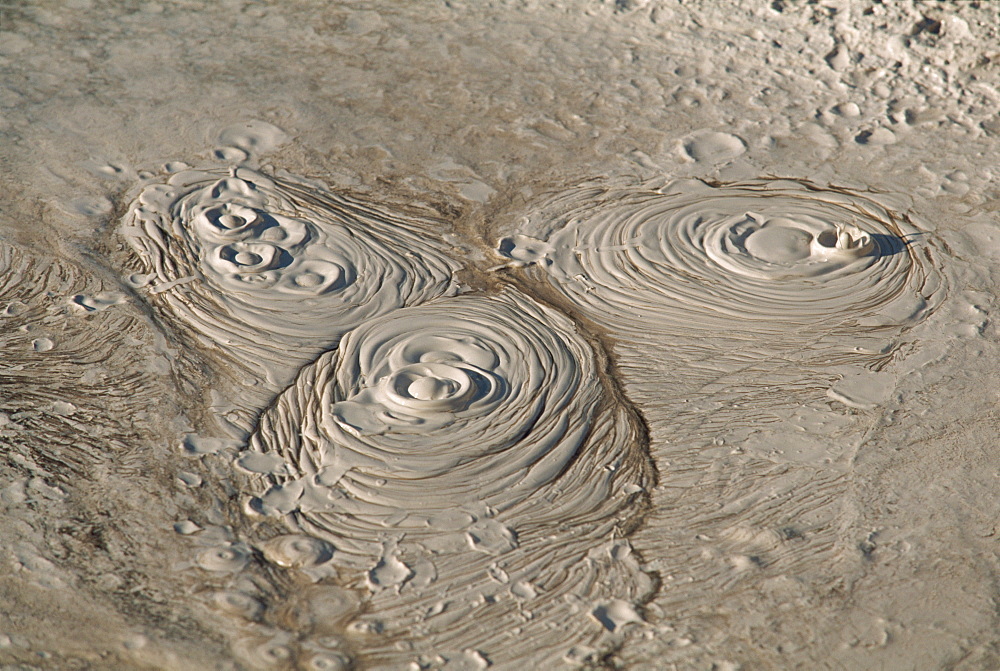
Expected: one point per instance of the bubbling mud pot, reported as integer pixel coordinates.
(464, 460)
(431, 336)
(726, 295)
(270, 271)
(461, 461)
(457, 471)
(719, 291)
(781, 259)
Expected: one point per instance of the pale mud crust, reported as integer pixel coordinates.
(827, 495)
(466, 466)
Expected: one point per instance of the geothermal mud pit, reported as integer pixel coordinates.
(534, 335)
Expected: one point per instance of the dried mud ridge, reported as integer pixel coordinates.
(455, 477)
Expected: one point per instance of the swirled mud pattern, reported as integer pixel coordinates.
(467, 464)
(730, 311)
(74, 385)
(770, 258)
(92, 486)
(270, 271)
(714, 290)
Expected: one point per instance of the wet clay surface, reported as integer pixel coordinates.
(643, 335)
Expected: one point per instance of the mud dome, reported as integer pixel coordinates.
(779, 260)
(700, 286)
(725, 294)
(268, 272)
(463, 459)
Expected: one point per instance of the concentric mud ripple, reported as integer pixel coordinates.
(471, 432)
(471, 401)
(273, 270)
(731, 312)
(771, 257)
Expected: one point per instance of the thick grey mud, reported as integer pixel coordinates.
(544, 365)
(464, 463)
(454, 477)
(452, 471)
(81, 401)
(268, 272)
(772, 312)
(421, 473)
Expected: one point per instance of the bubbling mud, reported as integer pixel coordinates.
(732, 311)
(474, 400)
(271, 270)
(441, 440)
(717, 292)
(771, 257)
(722, 294)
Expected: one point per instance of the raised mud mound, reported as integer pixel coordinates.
(732, 311)
(720, 292)
(464, 460)
(270, 271)
(458, 477)
(776, 258)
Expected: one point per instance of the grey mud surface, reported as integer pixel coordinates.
(817, 517)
